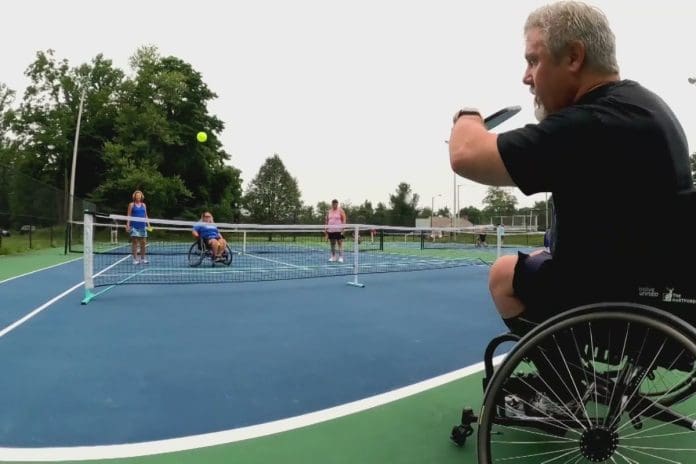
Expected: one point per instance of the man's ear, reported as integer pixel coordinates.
(575, 57)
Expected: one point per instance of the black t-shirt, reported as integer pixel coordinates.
(614, 161)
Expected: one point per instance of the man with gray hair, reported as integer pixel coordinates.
(608, 149)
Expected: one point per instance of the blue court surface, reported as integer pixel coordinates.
(155, 362)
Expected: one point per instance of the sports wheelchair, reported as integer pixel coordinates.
(200, 250)
(607, 382)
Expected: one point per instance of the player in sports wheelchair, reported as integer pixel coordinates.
(201, 250)
(603, 382)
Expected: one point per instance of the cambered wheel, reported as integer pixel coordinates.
(196, 254)
(581, 388)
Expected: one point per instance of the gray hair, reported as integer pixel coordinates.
(567, 21)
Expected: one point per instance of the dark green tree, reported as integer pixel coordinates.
(473, 214)
(539, 209)
(160, 111)
(273, 196)
(7, 153)
(404, 206)
(499, 202)
(45, 122)
(426, 212)
(322, 208)
(363, 214)
(307, 216)
(381, 216)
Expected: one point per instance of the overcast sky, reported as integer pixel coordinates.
(356, 96)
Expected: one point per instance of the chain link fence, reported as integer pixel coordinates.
(33, 214)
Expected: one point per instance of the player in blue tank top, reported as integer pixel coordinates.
(137, 227)
(208, 232)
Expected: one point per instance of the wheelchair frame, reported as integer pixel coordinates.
(200, 250)
(617, 383)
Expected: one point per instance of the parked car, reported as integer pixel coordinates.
(26, 228)
(4, 233)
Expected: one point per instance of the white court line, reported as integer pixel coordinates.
(36, 311)
(21, 321)
(274, 261)
(82, 453)
(38, 270)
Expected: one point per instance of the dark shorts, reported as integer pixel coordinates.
(538, 286)
(546, 289)
(335, 236)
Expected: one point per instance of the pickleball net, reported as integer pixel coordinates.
(255, 253)
(486, 236)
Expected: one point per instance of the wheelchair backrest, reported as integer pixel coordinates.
(670, 279)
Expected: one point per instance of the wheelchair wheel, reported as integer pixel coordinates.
(196, 254)
(227, 256)
(582, 387)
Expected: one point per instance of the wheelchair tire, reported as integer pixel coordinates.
(572, 390)
(196, 254)
(227, 256)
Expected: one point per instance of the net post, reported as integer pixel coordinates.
(66, 243)
(88, 256)
(356, 258)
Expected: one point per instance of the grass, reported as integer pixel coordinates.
(41, 238)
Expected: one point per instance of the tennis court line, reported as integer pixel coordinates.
(36, 311)
(274, 261)
(38, 270)
(82, 453)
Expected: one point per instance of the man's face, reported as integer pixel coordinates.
(207, 217)
(334, 205)
(551, 82)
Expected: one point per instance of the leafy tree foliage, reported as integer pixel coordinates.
(322, 209)
(404, 206)
(273, 196)
(473, 214)
(499, 202)
(136, 133)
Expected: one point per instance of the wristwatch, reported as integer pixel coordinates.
(465, 111)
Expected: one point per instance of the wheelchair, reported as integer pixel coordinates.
(611, 381)
(605, 382)
(200, 250)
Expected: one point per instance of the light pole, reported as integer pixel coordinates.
(459, 205)
(454, 194)
(74, 156)
(432, 209)
(454, 197)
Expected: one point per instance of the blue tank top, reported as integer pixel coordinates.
(138, 211)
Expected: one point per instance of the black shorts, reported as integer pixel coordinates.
(546, 289)
(538, 285)
(335, 236)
